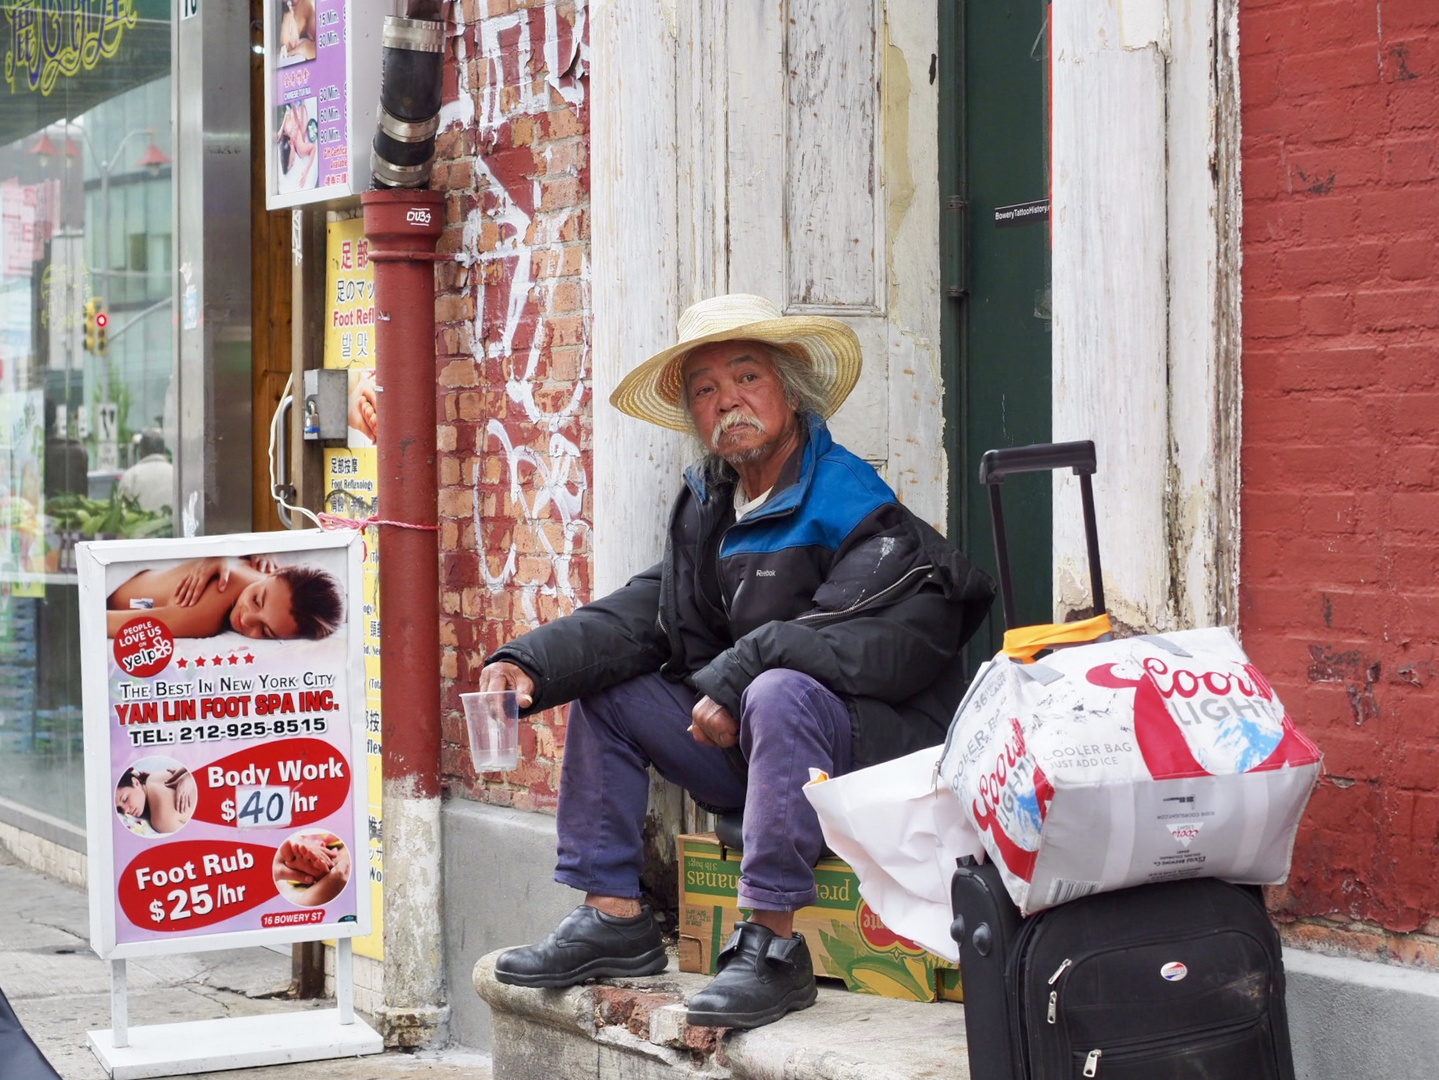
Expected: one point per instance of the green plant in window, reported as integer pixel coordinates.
(116, 516)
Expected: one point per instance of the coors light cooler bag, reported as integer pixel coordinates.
(1124, 762)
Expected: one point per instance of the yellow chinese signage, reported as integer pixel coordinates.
(48, 39)
(351, 476)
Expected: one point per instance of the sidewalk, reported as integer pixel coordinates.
(61, 990)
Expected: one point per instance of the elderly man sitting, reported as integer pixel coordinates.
(801, 617)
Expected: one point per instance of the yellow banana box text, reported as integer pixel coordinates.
(846, 938)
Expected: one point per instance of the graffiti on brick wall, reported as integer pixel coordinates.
(555, 490)
(534, 63)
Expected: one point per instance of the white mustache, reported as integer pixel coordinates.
(731, 420)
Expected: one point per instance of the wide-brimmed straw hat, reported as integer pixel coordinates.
(652, 390)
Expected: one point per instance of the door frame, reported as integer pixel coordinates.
(1150, 372)
(961, 219)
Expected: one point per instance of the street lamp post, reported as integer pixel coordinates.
(152, 160)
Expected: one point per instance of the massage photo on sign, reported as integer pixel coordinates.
(297, 25)
(256, 597)
(297, 132)
(155, 796)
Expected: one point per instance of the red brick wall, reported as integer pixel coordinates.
(1340, 546)
(512, 363)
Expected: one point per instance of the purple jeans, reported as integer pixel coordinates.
(789, 723)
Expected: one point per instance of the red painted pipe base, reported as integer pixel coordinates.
(402, 222)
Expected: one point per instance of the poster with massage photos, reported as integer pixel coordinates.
(322, 79)
(224, 700)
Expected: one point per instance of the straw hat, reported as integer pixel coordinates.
(652, 390)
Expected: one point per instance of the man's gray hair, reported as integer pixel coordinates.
(803, 389)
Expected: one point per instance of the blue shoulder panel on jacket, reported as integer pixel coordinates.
(840, 492)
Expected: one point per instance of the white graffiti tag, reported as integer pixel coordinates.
(557, 481)
(513, 250)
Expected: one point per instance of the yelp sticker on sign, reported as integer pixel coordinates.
(143, 647)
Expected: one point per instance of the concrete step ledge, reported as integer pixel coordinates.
(636, 1028)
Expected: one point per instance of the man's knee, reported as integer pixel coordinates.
(602, 708)
(785, 693)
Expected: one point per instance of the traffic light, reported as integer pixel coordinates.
(96, 324)
(92, 309)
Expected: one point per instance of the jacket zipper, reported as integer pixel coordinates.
(764, 512)
(719, 570)
(858, 605)
(719, 576)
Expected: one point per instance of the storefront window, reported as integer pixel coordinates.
(87, 395)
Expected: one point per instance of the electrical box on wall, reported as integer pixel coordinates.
(327, 392)
(322, 87)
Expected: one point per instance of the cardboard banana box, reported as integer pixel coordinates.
(846, 939)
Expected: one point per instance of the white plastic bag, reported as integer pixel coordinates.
(901, 831)
(1123, 762)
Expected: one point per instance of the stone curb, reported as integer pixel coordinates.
(843, 1037)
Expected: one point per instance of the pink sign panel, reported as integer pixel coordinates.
(309, 97)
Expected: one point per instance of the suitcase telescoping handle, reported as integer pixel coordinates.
(1041, 457)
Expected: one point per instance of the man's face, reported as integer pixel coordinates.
(736, 400)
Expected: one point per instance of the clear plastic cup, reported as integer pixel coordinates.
(493, 719)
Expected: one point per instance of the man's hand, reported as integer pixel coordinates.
(502, 675)
(712, 724)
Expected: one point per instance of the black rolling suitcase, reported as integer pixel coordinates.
(1159, 982)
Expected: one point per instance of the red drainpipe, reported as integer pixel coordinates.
(403, 226)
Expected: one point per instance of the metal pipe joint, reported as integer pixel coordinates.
(411, 82)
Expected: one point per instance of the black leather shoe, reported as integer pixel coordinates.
(587, 944)
(760, 978)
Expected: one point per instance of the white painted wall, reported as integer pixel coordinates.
(791, 150)
(1110, 332)
(634, 251)
(1145, 348)
(783, 149)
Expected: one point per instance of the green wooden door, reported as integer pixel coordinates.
(994, 183)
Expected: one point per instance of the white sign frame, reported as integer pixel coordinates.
(92, 560)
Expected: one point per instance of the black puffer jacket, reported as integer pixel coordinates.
(831, 576)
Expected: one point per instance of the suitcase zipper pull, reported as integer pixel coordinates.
(1054, 994)
(1091, 1063)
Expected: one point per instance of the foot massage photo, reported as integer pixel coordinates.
(255, 596)
(311, 868)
